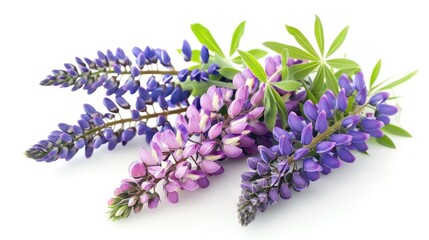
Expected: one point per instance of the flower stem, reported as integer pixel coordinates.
(125, 120)
(328, 132)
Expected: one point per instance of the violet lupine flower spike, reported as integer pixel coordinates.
(183, 158)
(316, 142)
(94, 129)
(110, 69)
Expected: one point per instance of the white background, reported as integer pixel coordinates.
(384, 195)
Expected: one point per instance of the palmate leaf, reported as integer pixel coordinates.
(253, 65)
(205, 37)
(294, 52)
(257, 53)
(285, 68)
(302, 70)
(281, 106)
(302, 40)
(228, 72)
(270, 112)
(318, 32)
(331, 80)
(236, 37)
(288, 85)
(338, 41)
(342, 63)
(318, 81)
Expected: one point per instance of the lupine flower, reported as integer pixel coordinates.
(315, 143)
(184, 157)
(94, 129)
(108, 69)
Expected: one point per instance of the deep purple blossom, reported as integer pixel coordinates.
(313, 144)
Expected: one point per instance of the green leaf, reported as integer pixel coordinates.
(285, 69)
(331, 80)
(349, 72)
(199, 88)
(294, 52)
(253, 65)
(318, 32)
(399, 81)
(310, 94)
(386, 141)
(288, 85)
(396, 130)
(257, 53)
(205, 37)
(195, 55)
(222, 62)
(228, 72)
(342, 63)
(350, 103)
(299, 71)
(338, 41)
(318, 81)
(270, 112)
(281, 106)
(302, 40)
(236, 37)
(375, 72)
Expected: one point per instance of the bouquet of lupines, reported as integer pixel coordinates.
(298, 116)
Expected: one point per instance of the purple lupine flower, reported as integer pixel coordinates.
(172, 156)
(204, 54)
(319, 141)
(95, 129)
(109, 68)
(186, 51)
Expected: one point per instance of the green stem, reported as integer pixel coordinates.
(125, 120)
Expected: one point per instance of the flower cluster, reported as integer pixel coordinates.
(94, 129)
(295, 111)
(185, 156)
(318, 139)
(109, 68)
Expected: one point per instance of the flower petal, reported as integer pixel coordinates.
(209, 166)
(310, 165)
(189, 185)
(330, 161)
(215, 130)
(345, 155)
(321, 122)
(310, 110)
(386, 109)
(147, 158)
(173, 197)
(300, 153)
(324, 146)
(295, 122)
(266, 154)
(137, 169)
(307, 134)
(371, 124)
(232, 151)
(341, 139)
(172, 186)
